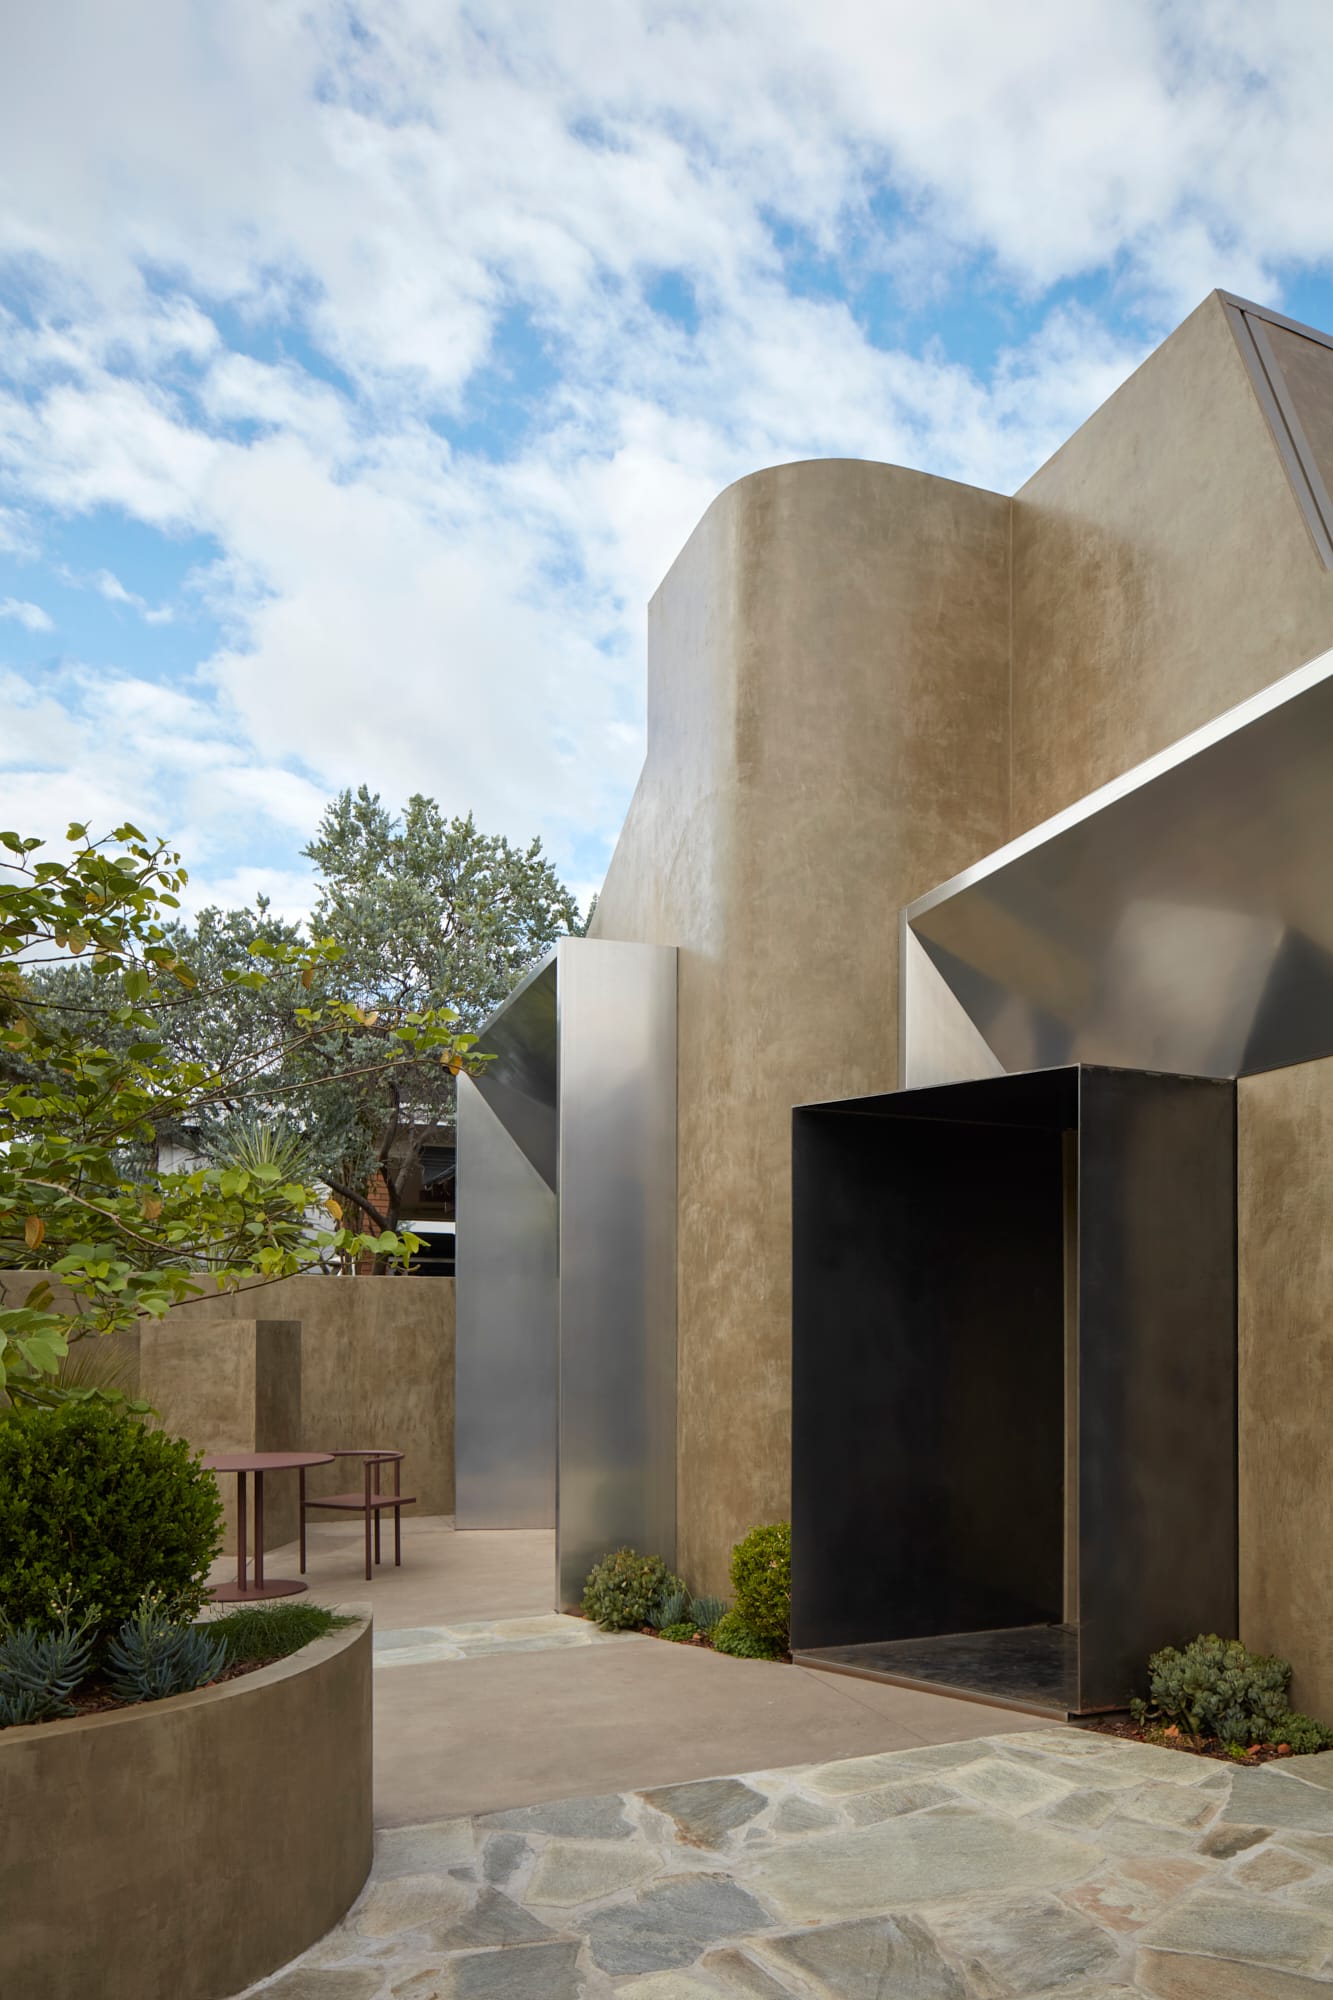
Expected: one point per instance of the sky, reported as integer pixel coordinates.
(363, 368)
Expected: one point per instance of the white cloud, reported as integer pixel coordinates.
(30, 616)
(266, 261)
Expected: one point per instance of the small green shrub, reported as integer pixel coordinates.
(625, 1588)
(761, 1579)
(673, 1609)
(1303, 1733)
(732, 1635)
(95, 1508)
(680, 1632)
(154, 1655)
(706, 1611)
(260, 1632)
(1216, 1687)
(40, 1668)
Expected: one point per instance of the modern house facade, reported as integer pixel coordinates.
(864, 683)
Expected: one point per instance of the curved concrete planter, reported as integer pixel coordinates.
(190, 1846)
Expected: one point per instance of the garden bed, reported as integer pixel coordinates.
(213, 1835)
(1193, 1746)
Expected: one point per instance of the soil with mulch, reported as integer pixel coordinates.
(1194, 1746)
(95, 1697)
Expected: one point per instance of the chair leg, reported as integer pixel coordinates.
(369, 1511)
(300, 1501)
(377, 1511)
(397, 1537)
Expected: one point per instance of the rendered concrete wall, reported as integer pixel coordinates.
(1286, 1372)
(203, 1841)
(1162, 572)
(230, 1385)
(377, 1368)
(827, 704)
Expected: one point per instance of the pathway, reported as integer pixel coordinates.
(1033, 1862)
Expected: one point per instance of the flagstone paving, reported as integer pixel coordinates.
(418, 1645)
(1049, 1861)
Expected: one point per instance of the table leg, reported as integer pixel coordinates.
(240, 1531)
(301, 1504)
(259, 1530)
(397, 1537)
(369, 1511)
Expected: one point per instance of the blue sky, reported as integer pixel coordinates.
(363, 368)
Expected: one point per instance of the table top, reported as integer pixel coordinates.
(265, 1461)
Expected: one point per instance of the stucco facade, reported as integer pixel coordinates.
(862, 680)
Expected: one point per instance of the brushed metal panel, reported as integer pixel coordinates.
(520, 1084)
(506, 1288)
(617, 1180)
(1180, 919)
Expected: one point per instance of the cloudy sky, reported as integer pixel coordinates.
(363, 367)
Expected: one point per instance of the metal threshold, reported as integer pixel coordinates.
(1030, 1668)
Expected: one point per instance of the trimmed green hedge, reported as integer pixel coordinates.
(761, 1579)
(96, 1510)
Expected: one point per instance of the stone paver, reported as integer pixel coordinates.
(1052, 1862)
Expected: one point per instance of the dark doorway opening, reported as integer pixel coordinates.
(1013, 1377)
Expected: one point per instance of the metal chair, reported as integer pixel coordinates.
(371, 1502)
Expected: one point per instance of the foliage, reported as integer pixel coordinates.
(257, 1632)
(41, 1665)
(421, 923)
(94, 1506)
(680, 1631)
(1216, 1687)
(1302, 1733)
(154, 1654)
(93, 986)
(672, 1609)
(761, 1579)
(732, 1635)
(705, 1612)
(625, 1588)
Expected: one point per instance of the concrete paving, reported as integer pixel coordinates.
(1030, 1863)
(481, 1712)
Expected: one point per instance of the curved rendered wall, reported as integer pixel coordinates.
(827, 714)
(187, 1847)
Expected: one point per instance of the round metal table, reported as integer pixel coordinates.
(258, 1462)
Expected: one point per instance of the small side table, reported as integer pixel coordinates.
(259, 1462)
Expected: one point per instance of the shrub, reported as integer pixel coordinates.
(154, 1655)
(625, 1588)
(95, 1508)
(680, 1632)
(706, 1611)
(1215, 1687)
(761, 1578)
(40, 1669)
(1302, 1733)
(732, 1635)
(259, 1632)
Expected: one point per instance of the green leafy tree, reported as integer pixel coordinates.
(94, 1068)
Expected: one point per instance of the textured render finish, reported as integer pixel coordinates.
(1286, 1372)
(208, 1838)
(1162, 572)
(230, 1385)
(377, 1368)
(827, 702)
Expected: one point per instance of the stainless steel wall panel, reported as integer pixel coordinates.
(617, 1206)
(1179, 919)
(507, 1306)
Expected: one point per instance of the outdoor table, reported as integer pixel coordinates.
(259, 1462)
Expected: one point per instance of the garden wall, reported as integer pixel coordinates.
(375, 1366)
(189, 1846)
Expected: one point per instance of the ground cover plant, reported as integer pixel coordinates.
(1215, 1698)
(255, 1634)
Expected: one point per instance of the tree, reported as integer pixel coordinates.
(82, 1197)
